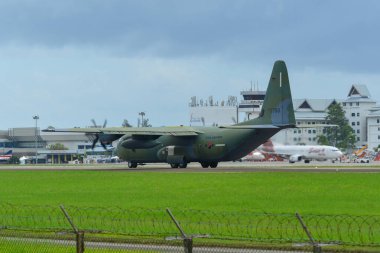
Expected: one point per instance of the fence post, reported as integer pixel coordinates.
(187, 241)
(316, 247)
(80, 242)
(79, 234)
(188, 245)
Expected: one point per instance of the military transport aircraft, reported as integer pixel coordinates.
(181, 145)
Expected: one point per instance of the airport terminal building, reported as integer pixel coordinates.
(33, 143)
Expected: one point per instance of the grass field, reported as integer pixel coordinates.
(307, 193)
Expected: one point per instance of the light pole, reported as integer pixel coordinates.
(142, 118)
(36, 118)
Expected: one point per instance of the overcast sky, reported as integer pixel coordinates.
(71, 61)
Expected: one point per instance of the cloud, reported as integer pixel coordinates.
(324, 32)
(112, 59)
(71, 85)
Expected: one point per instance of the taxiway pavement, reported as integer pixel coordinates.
(231, 167)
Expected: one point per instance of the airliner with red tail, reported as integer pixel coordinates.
(297, 153)
(6, 157)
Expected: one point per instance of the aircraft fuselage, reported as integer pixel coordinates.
(214, 144)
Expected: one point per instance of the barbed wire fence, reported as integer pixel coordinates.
(119, 229)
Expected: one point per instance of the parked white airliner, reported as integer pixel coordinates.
(297, 153)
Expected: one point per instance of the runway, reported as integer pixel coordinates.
(226, 167)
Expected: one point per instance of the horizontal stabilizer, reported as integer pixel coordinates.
(250, 127)
(316, 125)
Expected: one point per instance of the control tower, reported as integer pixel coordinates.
(252, 102)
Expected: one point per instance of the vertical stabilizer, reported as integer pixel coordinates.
(277, 109)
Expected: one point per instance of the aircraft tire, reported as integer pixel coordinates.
(214, 164)
(132, 165)
(183, 164)
(174, 165)
(205, 165)
(307, 161)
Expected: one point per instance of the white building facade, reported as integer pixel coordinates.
(358, 106)
(373, 129)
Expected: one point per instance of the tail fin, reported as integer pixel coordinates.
(267, 146)
(277, 109)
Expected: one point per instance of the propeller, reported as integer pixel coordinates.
(98, 126)
(94, 123)
(95, 141)
(98, 139)
(98, 136)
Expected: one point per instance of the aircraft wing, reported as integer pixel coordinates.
(141, 131)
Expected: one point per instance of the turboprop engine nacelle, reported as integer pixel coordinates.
(130, 142)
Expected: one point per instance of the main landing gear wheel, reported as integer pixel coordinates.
(205, 165)
(132, 165)
(183, 165)
(211, 164)
(174, 165)
(214, 164)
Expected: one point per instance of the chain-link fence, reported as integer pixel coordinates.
(27, 241)
(75, 229)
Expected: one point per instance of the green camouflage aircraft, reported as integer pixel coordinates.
(181, 145)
